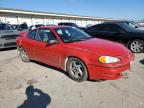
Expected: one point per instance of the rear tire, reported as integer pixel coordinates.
(23, 55)
(136, 46)
(76, 69)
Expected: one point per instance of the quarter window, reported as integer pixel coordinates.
(110, 28)
(32, 34)
(97, 28)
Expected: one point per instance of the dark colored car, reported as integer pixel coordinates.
(20, 27)
(7, 36)
(70, 24)
(125, 32)
(76, 52)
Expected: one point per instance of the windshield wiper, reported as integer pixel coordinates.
(79, 40)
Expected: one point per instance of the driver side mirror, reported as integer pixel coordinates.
(52, 42)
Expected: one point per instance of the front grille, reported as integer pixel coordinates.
(10, 44)
(9, 36)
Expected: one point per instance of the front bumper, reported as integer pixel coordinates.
(107, 73)
(7, 43)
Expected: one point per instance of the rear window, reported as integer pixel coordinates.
(32, 34)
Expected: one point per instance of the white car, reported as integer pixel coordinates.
(7, 36)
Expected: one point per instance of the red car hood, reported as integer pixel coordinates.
(100, 46)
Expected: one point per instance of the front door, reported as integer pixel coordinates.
(49, 54)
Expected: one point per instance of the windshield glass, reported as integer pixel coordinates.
(72, 34)
(5, 27)
(129, 26)
(132, 24)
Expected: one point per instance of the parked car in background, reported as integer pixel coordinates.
(70, 24)
(89, 25)
(15, 26)
(124, 32)
(19, 27)
(76, 52)
(7, 36)
(23, 27)
(35, 26)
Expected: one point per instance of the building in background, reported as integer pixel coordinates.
(14, 16)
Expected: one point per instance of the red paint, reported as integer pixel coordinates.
(88, 51)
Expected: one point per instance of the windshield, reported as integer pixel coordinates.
(72, 34)
(5, 27)
(132, 24)
(129, 26)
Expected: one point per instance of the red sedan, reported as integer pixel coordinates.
(76, 52)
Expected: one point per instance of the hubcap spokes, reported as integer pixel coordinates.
(137, 46)
(23, 54)
(76, 69)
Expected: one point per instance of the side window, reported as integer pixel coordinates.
(120, 29)
(99, 28)
(96, 28)
(110, 28)
(45, 35)
(32, 34)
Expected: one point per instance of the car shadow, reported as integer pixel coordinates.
(142, 61)
(8, 49)
(51, 67)
(35, 98)
(62, 71)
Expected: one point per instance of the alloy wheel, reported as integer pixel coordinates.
(77, 69)
(137, 46)
(23, 55)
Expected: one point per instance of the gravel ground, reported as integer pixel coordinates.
(41, 86)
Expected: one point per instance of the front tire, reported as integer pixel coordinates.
(136, 46)
(76, 69)
(23, 55)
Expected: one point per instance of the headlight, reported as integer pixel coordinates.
(108, 59)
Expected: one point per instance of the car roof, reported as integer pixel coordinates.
(116, 22)
(53, 27)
